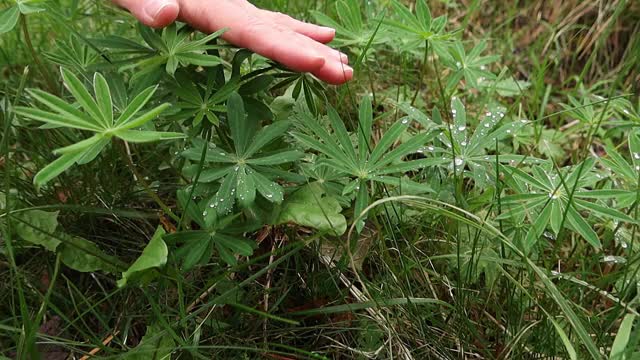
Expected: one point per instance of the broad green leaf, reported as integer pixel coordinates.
(511, 87)
(196, 245)
(153, 256)
(136, 105)
(93, 151)
(238, 123)
(56, 168)
(311, 206)
(55, 119)
(277, 158)
(537, 228)
(104, 100)
(85, 256)
(265, 136)
(238, 246)
(245, 188)
(199, 59)
(63, 108)
(143, 119)
(225, 254)
(222, 202)
(556, 215)
(210, 175)
(388, 139)
(37, 226)
(155, 344)
(341, 133)
(79, 146)
(423, 14)
(8, 19)
(583, 228)
(140, 136)
(621, 344)
(82, 96)
(255, 85)
(270, 190)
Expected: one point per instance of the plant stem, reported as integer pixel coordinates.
(36, 59)
(423, 71)
(144, 184)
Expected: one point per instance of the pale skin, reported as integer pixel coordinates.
(297, 45)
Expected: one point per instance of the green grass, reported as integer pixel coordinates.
(502, 236)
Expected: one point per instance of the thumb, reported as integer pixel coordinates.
(154, 13)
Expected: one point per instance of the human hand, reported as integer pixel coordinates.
(295, 44)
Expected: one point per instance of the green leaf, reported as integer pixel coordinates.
(103, 97)
(84, 256)
(80, 93)
(143, 119)
(238, 246)
(537, 228)
(140, 136)
(245, 188)
(36, 227)
(265, 136)
(56, 168)
(268, 189)
(565, 340)
(510, 87)
(362, 201)
(222, 202)
(155, 344)
(387, 140)
(55, 119)
(79, 146)
(581, 226)
(63, 108)
(8, 19)
(311, 206)
(621, 344)
(277, 158)
(342, 134)
(154, 255)
(423, 14)
(136, 105)
(365, 115)
(238, 123)
(199, 59)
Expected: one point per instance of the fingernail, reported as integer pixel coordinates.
(344, 58)
(153, 8)
(328, 30)
(348, 72)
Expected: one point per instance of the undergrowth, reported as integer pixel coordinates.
(473, 193)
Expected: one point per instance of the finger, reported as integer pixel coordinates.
(248, 29)
(154, 13)
(326, 51)
(322, 34)
(334, 72)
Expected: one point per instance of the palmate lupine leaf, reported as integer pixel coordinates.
(546, 197)
(239, 168)
(358, 162)
(172, 48)
(96, 114)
